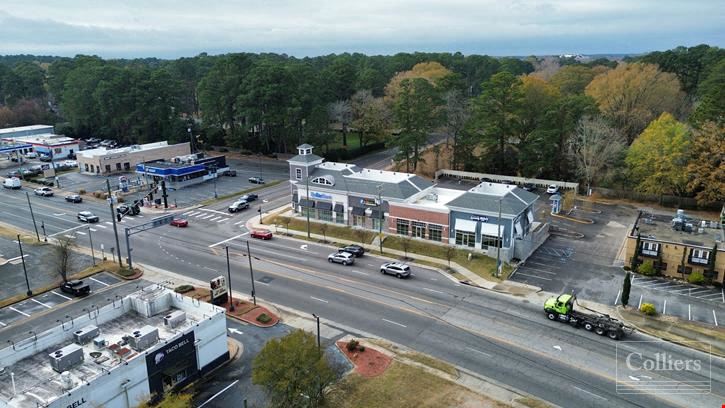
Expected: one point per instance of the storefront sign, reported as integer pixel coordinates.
(218, 287)
(479, 218)
(178, 350)
(321, 196)
(368, 201)
(77, 403)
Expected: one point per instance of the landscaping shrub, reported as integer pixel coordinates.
(627, 268)
(120, 199)
(81, 191)
(697, 278)
(264, 318)
(648, 309)
(361, 348)
(352, 345)
(183, 288)
(647, 269)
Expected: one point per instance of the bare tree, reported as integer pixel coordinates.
(457, 113)
(450, 253)
(361, 235)
(341, 112)
(405, 243)
(286, 221)
(595, 147)
(323, 229)
(64, 256)
(370, 116)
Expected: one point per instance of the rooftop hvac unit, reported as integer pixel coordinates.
(66, 381)
(86, 334)
(66, 358)
(175, 318)
(99, 342)
(144, 338)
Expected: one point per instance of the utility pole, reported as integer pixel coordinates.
(165, 196)
(42, 226)
(307, 209)
(319, 348)
(113, 218)
(229, 277)
(382, 214)
(33, 216)
(251, 273)
(90, 238)
(500, 241)
(25, 271)
(128, 250)
(215, 174)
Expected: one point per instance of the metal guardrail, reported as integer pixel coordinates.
(468, 175)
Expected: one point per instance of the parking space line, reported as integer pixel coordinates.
(96, 280)
(640, 302)
(58, 294)
(619, 292)
(689, 312)
(532, 276)
(541, 270)
(41, 303)
(714, 316)
(707, 296)
(664, 307)
(16, 310)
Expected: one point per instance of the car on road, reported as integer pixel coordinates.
(248, 197)
(179, 222)
(43, 191)
(344, 258)
(27, 173)
(74, 198)
(238, 206)
(261, 234)
(397, 269)
(12, 183)
(128, 209)
(87, 216)
(230, 173)
(552, 189)
(75, 288)
(14, 173)
(256, 180)
(356, 250)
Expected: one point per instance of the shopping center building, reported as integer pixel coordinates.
(483, 218)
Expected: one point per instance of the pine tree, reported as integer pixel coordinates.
(626, 287)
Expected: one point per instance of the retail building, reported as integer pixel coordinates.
(103, 161)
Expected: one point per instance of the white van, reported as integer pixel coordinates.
(12, 182)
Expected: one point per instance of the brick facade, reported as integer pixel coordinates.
(421, 215)
(667, 258)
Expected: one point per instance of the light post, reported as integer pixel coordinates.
(307, 208)
(251, 274)
(32, 215)
(42, 226)
(113, 218)
(319, 348)
(215, 174)
(90, 238)
(25, 271)
(382, 214)
(229, 275)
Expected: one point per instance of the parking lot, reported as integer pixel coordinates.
(48, 300)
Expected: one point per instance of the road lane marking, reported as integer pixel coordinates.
(396, 323)
(227, 240)
(640, 302)
(714, 316)
(359, 272)
(211, 269)
(433, 290)
(218, 393)
(532, 276)
(318, 299)
(617, 298)
(58, 294)
(80, 233)
(212, 211)
(50, 307)
(16, 310)
(59, 214)
(478, 351)
(590, 393)
(689, 312)
(664, 308)
(96, 280)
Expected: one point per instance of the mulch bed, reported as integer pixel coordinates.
(251, 317)
(368, 363)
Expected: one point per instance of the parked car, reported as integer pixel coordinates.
(44, 158)
(75, 288)
(27, 173)
(44, 191)
(356, 250)
(399, 270)
(248, 197)
(238, 206)
(230, 173)
(552, 189)
(70, 163)
(529, 187)
(12, 183)
(14, 173)
(31, 155)
(344, 258)
(87, 216)
(256, 180)
(126, 209)
(261, 234)
(179, 222)
(74, 198)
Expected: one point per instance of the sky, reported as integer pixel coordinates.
(179, 28)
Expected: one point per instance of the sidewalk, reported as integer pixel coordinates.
(471, 277)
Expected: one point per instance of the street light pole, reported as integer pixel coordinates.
(229, 277)
(382, 214)
(215, 174)
(90, 238)
(319, 348)
(42, 226)
(113, 218)
(32, 215)
(307, 209)
(251, 273)
(25, 271)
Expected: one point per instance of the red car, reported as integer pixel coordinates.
(179, 222)
(262, 234)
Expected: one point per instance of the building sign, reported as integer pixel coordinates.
(369, 201)
(479, 218)
(321, 196)
(77, 403)
(218, 289)
(171, 361)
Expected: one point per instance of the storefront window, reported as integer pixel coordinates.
(402, 226)
(324, 215)
(339, 218)
(490, 241)
(466, 238)
(418, 229)
(376, 224)
(435, 232)
(358, 220)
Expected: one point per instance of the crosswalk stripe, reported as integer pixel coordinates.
(101, 226)
(224, 219)
(108, 222)
(140, 216)
(80, 233)
(215, 218)
(200, 215)
(92, 229)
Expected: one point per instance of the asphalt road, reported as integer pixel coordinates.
(497, 336)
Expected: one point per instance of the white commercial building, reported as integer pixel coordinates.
(116, 356)
(46, 143)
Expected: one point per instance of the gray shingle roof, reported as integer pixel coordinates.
(510, 205)
(305, 158)
(400, 190)
(305, 146)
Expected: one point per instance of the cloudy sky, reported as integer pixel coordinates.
(175, 28)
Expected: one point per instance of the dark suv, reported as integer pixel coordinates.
(356, 250)
(125, 209)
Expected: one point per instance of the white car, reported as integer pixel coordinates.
(397, 269)
(344, 258)
(71, 163)
(43, 191)
(31, 155)
(552, 189)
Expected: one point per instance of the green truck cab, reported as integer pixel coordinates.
(561, 308)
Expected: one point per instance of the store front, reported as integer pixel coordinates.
(173, 365)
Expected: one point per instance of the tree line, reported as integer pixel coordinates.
(652, 122)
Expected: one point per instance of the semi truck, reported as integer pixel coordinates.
(561, 308)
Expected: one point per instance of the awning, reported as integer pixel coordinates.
(307, 203)
(358, 211)
(465, 225)
(339, 208)
(491, 230)
(324, 205)
(376, 214)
